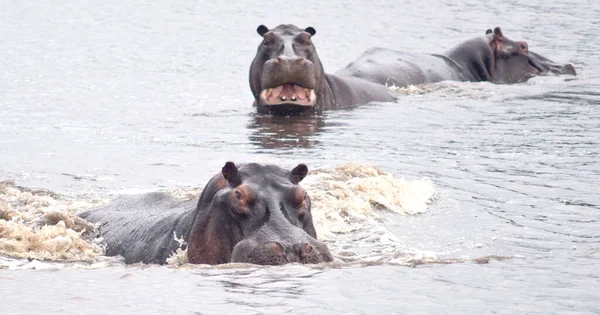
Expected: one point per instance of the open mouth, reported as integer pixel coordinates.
(288, 94)
(536, 68)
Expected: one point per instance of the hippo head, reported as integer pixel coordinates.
(286, 76)
(256, 214)
(513, 62)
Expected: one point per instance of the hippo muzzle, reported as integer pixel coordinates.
(279, 253)
(545, 65)
(288, 80)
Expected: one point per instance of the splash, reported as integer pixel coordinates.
(40, 224)
(450, 90)
(352, 191)
(413, 89)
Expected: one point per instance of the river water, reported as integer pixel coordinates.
(98, 99)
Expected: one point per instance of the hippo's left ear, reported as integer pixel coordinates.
(310, 30)
(298, 173)
(231, 174)
(262, 30)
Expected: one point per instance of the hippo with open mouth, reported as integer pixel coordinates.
(492, 57)
(249, 213)
(287, 77)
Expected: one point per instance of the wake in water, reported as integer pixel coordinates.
(42, 225)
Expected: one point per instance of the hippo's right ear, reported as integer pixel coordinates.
(262, 30)
(310, 30)
(298, 173)
(497, 42)
(498, 33)
(231, 174)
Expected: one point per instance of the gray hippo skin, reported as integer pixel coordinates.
(252, 213)
(492, 58)
(287, 77)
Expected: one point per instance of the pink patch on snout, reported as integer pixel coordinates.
(274, 93)
(287, 91)
(300, 92)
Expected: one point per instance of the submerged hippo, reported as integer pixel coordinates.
(252, 213)
(492, 57)
(287, 77)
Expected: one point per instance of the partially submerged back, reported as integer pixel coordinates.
(142, 228)
(491, 57)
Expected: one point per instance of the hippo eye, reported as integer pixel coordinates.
(238, 195)
(304, 39)
(242, 198)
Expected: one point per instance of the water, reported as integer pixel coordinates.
(98, 99)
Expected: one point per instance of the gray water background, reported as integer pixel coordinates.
(110, 97)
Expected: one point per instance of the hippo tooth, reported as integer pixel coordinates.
(269, 93)
(283, 98)
(294, 98)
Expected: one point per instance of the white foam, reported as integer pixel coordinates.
(346, 202)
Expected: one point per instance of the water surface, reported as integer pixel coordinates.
(113, 97)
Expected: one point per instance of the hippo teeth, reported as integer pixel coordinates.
(288, 93)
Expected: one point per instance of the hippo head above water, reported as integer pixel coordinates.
(286, 74)
(513, 62)
(255, 214)
(506, 61)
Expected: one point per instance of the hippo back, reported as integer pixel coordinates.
(141, 227)
(400, 68)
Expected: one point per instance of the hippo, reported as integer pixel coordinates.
(492, 58)
(250, 213)
(287, 77)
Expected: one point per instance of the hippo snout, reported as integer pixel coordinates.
(560, 68)
(282, 70)
(278, 253)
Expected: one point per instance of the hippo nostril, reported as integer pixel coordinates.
(278, 248)
(307, 249)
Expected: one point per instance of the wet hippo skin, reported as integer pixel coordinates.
(249, 213)
(492, 57)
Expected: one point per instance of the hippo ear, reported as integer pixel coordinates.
(298, 173)
(498, 33)
(310, 30)
(262, 30)
(488, 32)
(231, 174)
